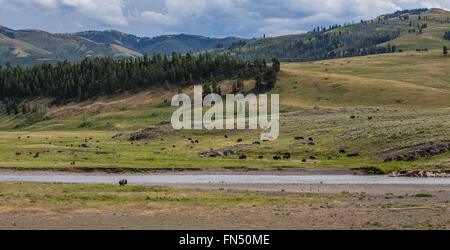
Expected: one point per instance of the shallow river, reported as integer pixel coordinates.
(225, 179)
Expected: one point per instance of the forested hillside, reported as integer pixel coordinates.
(407, 30)
(105, 76)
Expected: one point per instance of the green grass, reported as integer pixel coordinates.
(406, 94)
(84, 196)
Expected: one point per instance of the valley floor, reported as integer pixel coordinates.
(65, 206)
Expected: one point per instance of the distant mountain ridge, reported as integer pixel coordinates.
(29, 47)
(406, 30)
(166, 44)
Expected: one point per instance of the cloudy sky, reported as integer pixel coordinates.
(217, 18)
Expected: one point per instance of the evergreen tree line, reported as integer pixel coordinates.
(447, 35)
(92, 77)
(361, 40)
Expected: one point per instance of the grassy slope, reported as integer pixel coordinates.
(431, 38)
(401, 80)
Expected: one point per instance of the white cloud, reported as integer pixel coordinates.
(109, 12)
(206, 17)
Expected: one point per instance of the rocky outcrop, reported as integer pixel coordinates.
(415, 152)
(421, 173)
(160, 131)
(227, 151)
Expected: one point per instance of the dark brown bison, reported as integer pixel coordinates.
(18, 153)
(239, 140)
(287, 156)
(123, 182)
(312, 157)
(353, 155)
(342, 151)
(256, 143)
(226, 136)
(242, 157)
(277, 157)
(261, 157)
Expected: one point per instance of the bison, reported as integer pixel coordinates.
(299, 138)
(242, 157)
(287, 156)
(239, 140)
(123, 182)
(277, 157)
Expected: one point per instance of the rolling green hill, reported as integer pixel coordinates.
(408, 30)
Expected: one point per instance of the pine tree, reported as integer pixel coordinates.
(235, 88)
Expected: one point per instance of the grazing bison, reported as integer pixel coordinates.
(303, 160)
(197, 141)
(287, 156)
(239, 140)
(311, 139)
(174, 146)
(353, 155)
(352, 117)
(312, 157)
(123, 182)
(18, 153)
(261, 157)
(342, 151)
(72, 163)
(226, 136)
(242, 157)
(370, 118)
(277, 157)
